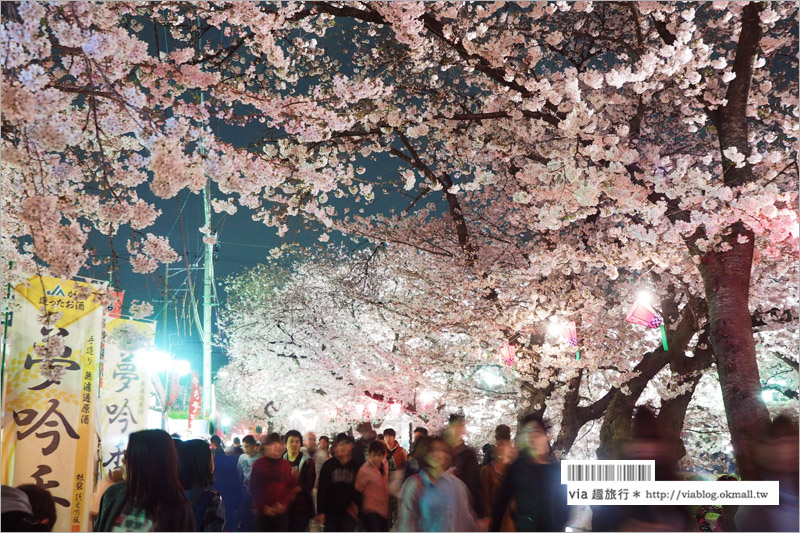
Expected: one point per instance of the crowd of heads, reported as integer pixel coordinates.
(158, 468)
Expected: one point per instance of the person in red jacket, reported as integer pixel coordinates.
(273, 487)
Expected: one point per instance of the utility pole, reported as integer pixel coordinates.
(208, 276)
(165, 410)
(208, 271)
(166, 310)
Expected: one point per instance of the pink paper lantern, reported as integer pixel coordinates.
(644, 315)
(508, 354)
(570, 333)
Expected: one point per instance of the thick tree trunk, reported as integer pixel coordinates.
(726, 276)
(616, 426)
(537, 399)
(570, 421)
(672, 415)
(617, 420)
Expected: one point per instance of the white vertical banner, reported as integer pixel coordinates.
(47, 429)
(126, 388)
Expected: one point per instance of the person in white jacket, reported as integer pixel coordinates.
(434, 499)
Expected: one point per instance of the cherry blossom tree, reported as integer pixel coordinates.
(579, 152)
(429, 339)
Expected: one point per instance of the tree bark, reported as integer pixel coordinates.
(732, 118)
(616, 426)
(571, 423)
(537, 399)
(617, 420)
(726, 276)
(672, 415)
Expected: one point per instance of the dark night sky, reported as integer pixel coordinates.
(243, 243)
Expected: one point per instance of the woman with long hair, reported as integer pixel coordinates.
(433, 499)
(151, 498)
(196, 472)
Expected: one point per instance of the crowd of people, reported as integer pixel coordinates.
(293, 482)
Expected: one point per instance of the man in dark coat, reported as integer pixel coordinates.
(465, 461)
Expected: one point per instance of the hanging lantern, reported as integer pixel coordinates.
(426, 400)
(570, 334)
(373, 408)
(643, 315)
(395, 408)
(508, 354)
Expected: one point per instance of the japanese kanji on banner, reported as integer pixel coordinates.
(48, 429)
(126, 388)
(114, 306)
(194, 398)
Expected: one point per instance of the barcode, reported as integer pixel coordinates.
(607, 471)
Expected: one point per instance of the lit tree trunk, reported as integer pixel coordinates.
(672, 415)
(575, 416)
(617, 420)
(726, 276)
(616, 426)
(570, 422)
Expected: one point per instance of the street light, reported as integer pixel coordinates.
(490, 376)
(157, 361)
(153, 360)
(181, 367)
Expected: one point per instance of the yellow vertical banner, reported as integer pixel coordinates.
(126, 387)
(48, 419)
(83, 448)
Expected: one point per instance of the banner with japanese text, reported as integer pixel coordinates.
(51, 377)
(126, 388)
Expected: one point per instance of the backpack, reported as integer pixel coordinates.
(200, 506)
